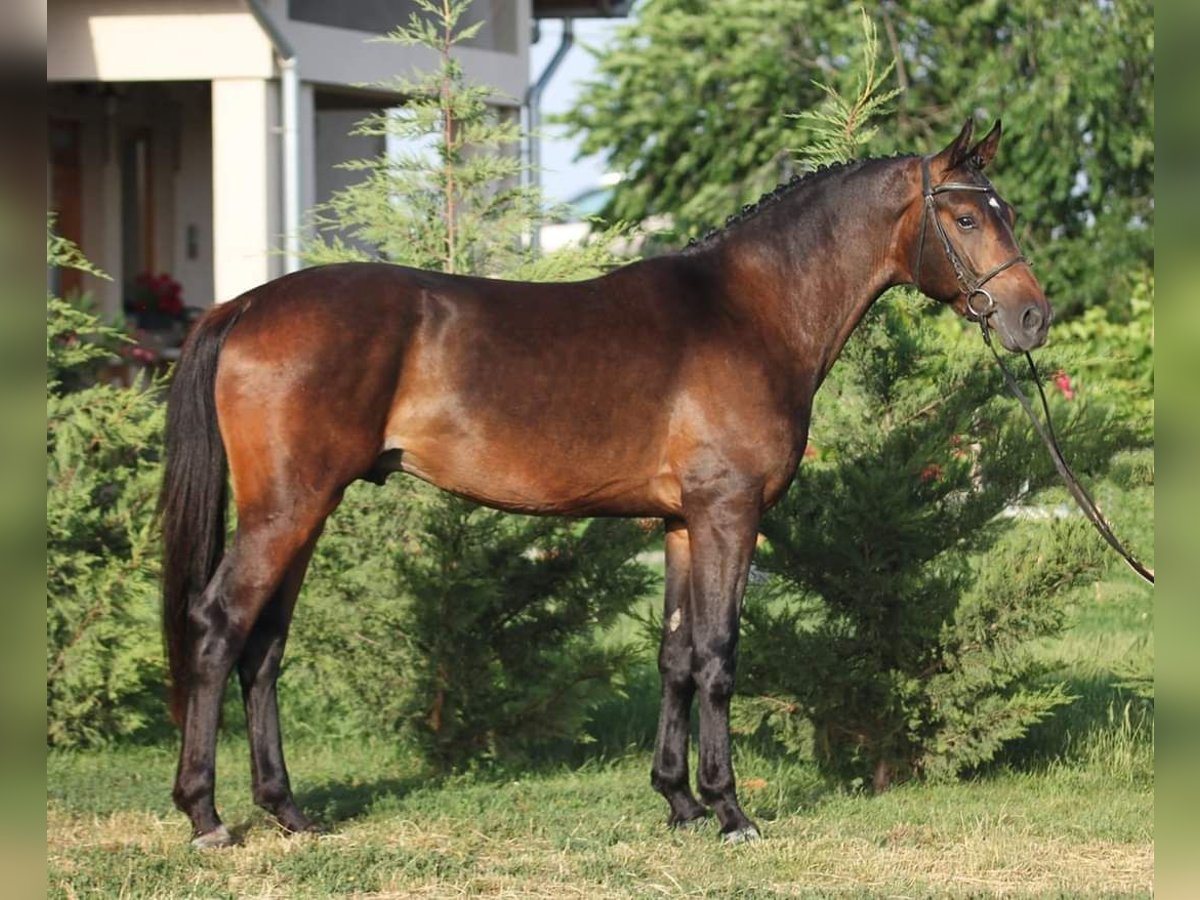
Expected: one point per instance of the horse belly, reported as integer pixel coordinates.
(536, 472)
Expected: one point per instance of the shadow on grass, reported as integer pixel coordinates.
(1106, 719)
(620, 725)
(339, 801)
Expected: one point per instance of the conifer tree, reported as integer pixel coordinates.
(474, 630)
(446, 193)
(103, 659)
(899, 619)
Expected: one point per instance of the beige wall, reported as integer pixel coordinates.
(164, 40)
(194, 202)
(184, 40)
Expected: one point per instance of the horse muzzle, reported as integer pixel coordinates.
(1024, 327)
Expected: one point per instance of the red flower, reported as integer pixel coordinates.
(156, 293)
(1062, 381)
(932, 472)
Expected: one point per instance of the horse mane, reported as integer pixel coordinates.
(785, 189)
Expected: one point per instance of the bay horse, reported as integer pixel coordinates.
(677, 387)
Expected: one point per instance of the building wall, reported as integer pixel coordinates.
(176, 117)
(192, 238)
(185, 40)
(163, 40)
(201, 76)
(245, 185)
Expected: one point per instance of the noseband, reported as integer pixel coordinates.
(969, 283)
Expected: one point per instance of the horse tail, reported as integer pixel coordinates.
(194, 495)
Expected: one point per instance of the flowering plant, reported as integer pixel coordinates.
(159, 294)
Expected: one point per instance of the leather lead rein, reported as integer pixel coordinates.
(1046, 432)
(971, 286)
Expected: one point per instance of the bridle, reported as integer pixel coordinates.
(970, 283)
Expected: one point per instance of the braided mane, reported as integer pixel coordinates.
(780, 191)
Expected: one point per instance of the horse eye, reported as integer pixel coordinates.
(966, 223)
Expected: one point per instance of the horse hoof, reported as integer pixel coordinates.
(746, 835)
(218, 837)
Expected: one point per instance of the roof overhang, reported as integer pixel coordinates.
(581, 9)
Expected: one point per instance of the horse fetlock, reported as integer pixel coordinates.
(716, 790)
(668, 777)
(690, 817)
(273, 795)
(192, 792)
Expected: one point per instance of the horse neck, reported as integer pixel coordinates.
(810, 265)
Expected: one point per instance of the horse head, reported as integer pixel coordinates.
(966, 254)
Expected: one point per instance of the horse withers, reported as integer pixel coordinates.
(677, 387)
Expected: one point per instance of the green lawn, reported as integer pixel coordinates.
(598, 831)
(1067, 811)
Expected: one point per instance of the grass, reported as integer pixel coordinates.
(1068, 811)
(598, 831)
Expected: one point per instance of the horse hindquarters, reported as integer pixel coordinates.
(278, 451)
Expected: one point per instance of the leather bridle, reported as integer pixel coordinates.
(969, 283)
(972, 284)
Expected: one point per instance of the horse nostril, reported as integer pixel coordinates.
(1031, 319)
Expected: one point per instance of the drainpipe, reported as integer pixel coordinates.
(533, 103)
(289, 115)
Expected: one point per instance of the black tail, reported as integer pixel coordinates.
(194, 490)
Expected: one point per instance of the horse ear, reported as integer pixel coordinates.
(953, 155)
(983, 152)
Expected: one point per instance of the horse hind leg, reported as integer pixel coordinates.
(220, 623)
(258, 672)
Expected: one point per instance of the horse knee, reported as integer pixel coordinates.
(714, 677)
(675, 671)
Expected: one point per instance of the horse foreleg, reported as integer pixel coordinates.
(258, 671)
(722, 533)
(670, 772)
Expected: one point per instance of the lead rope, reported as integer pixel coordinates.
(1046, 431)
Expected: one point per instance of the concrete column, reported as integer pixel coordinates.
(242, 167)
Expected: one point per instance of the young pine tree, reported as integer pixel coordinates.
(476, 631)
(446, 192)
(902, 606)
